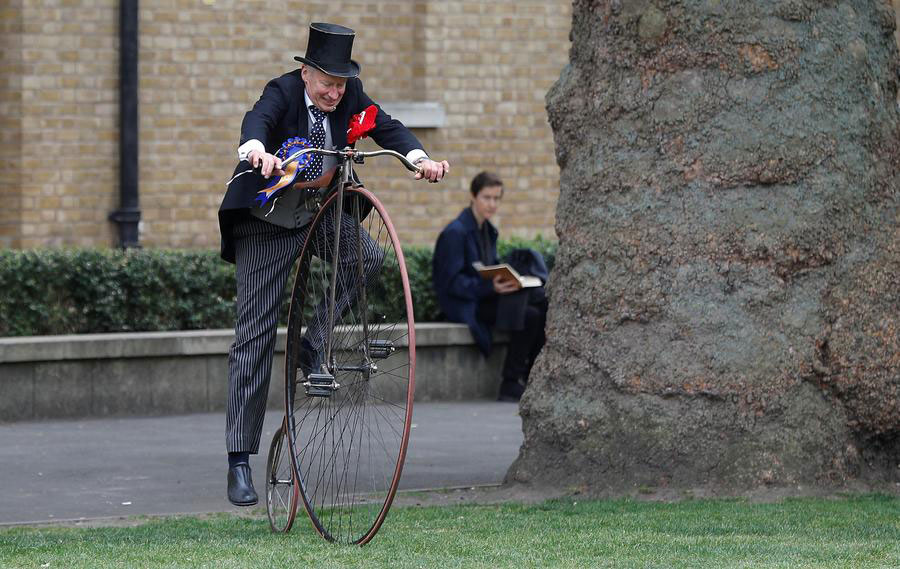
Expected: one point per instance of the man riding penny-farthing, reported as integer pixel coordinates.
(294, 200)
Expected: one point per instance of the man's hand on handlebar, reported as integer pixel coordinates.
(271, 164)
(431, 170)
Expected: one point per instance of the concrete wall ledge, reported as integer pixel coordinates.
(108, 346)
(157, 373)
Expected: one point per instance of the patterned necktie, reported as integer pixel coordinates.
(317, 139)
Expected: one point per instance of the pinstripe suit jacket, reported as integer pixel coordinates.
(279, 114)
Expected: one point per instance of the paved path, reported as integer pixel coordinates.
(69, 470)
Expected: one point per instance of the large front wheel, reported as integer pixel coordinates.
(350, 365)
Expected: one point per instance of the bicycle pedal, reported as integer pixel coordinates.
(381, 349)
(320, 385)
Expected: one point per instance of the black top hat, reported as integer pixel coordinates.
(329, 48)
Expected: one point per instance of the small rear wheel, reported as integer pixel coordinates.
(282, 490)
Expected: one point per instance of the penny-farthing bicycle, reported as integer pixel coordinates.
(349, 401)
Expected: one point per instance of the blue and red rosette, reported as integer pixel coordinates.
(275, 186)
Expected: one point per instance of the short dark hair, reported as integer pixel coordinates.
(483, 180)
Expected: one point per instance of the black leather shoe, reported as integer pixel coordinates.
(240, 486)
(310, 361)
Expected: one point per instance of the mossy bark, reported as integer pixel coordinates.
(726, 290)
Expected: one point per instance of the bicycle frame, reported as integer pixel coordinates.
(347, 157)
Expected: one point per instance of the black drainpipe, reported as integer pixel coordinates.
(129, 213)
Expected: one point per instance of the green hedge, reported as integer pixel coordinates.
(58, 291)
(82, 291)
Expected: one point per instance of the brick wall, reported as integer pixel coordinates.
(10, 123)
(68, 139)
(490, 64)
(203, 63)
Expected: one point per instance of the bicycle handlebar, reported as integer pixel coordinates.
(354, 154)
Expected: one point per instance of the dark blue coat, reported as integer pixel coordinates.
(457, 284)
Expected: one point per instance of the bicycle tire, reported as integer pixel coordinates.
(349, 447)
(282, 490)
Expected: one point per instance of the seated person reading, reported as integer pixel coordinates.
(465, 296)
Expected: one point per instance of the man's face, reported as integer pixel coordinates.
(487, 201)
(324, 90)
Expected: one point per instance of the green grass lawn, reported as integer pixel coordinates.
(857, 531)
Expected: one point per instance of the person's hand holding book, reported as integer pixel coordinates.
(503, 285)
(505, 274)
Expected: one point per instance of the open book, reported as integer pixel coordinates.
(507, 272)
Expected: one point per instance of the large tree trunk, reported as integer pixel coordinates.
(725, 296)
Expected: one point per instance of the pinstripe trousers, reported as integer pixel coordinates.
(265, 254)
